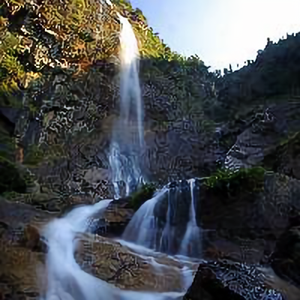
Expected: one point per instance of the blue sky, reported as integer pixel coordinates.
(221, 31)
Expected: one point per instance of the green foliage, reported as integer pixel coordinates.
(11, 70)
(10, 195)
(10, 177)
(34, 155)
(7, 143)
(275, 72)
(232, 183)
(184, 81)
(144, 193)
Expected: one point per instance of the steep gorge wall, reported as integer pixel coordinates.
(65, 89)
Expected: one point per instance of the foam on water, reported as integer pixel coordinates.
(65, 279)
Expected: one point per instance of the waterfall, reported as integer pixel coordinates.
(65, 279)
(142, 228)
(175, 233)
(191, 243)
(128, 132)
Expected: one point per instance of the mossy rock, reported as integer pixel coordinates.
(232, 183)
(144, 193)
(11, 179)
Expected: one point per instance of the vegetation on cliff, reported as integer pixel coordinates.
(230, 183)
(40, 36)
(273, 76)
(144, 193)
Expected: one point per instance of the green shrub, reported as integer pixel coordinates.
(231, 183)
(144, 193)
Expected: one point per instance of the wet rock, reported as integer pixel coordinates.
(223, 280)
(286, 288)
(124, 267)
(32, 239)
(175, 205)
(285, 260)
(114, 220)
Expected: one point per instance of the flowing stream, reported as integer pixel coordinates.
(67, 281)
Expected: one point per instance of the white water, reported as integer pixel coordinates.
(144, 229)
(191, 243)
(66, 280)
(128, 132)
(166, 237)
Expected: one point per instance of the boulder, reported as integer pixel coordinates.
(224, 279)
(114, 220)
(21, 224)
(122, 266)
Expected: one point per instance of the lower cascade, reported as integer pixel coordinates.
(66, 280)
(154, 275)
(176, 232)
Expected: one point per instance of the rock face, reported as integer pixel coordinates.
(261, 139)
(252, 221)
(286, 259)
(229, 280)
(285, 158)
(70, 90)
(10, 178)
